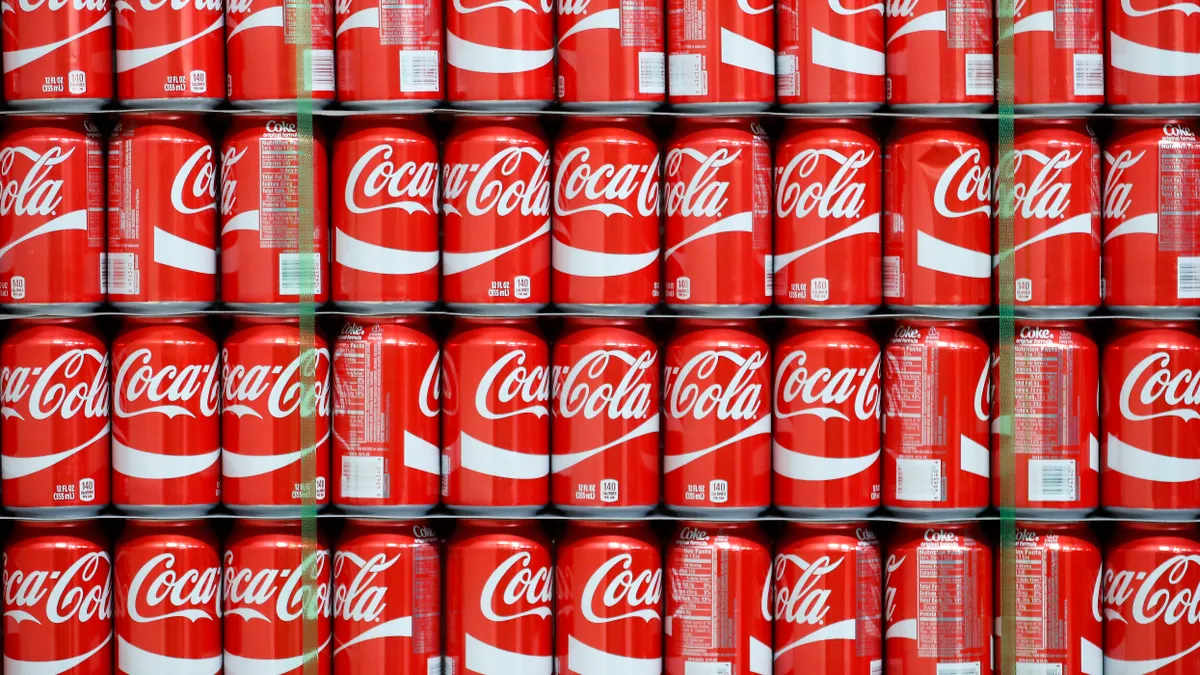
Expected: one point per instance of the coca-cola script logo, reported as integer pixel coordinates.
(800, 191)
(822, 389)
(901, 8)
(514, 6)
(1118, 191)
(35, 192)
(363, 599)
(1158, 387)
(585, 387)
(174, 5)
(245, 385)
(188, 593)
(1046, 196)
(1186, 8)
(82, 592)
(697, 193)
(195, 183)
(508, 379)
(409, 186)
(690, 389)
(1168, 594)
(430, 395)
(229, 159)
(965, 187)
(498, 186)
(692, 534)
(627, 590)
(167, 389)
(580, 187)
(889, 593)
(58, 388)
(56, 5)
(249, 592)
(806, 601)
(520, 585)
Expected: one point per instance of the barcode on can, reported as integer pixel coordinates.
(769, 275)
(919, 480)
(1039, 669)
(877, 667)
(892, 288)
(688, 77)
(652, 78)
(321, 68)
(1089, 74)
(712, 668)
(363, 478)
(291, 273)
(980, 75)
(419, 70)
(123, 275)
(433, 666)
(1187, 278)
(1052, 480)
(786, 75)
(958, 668)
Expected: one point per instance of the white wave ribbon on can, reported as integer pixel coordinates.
(1144, 224)
(136, 463)
(587, 660)
(560, 463)
(842, 630)
(363, 256)
(802, 466)
(482, 658)
(868, 225)
(973, 457)
(401, 627)
(607, 19)
(128, 59)
(133, 660)
(18, 667)
(454, 263)
(762, 660)
(244, 665)
(75, 220)
(421, 455)
(1091, 658)
(760, 427)
(942, 256)
(479, 58)
(579, 262)
(1132, 461)
(1114, 666)
(926, 23)
(184, 254)
(18, 467)
(238, 465)
(488, 459)
(363, 18)
(271, 17)
(1134, 57)
(246, 221)
(18, 58)
(903, 630)
(742, 52)
(838, 54)
(1080, 224)
(738, 222)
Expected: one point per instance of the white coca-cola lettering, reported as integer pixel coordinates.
(940, 536)
(697, 194)
(983, 392)
(1034, 333)
(280, 127)
(247, 383)
(229, 159)
(409, 186)
(197, 179)
(969, 181)
(180, 5)
(901, 8)
(362, 600)
(1118, 191)
(189, 593)
(529, 385)
(822, 388)
(33, 193)
(604, 188)
(889, 593)
(1154, 381)
(693, 391)
(137, 378)
(238, 6)
(573, 7)
(525, 586)
(56, 5)
(58, 388)
(429, 398)
(693, 534)
(82, 592)
(496, 185)
(247, 588)
(1164, 595)
(841, 197)
(907, 333)
(1177, 131)
(807, 600)
(1047, 196)
(581, 388)
(626, 589)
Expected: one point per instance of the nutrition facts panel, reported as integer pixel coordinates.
(944, 603)
(694, 588)
(1042, 380)
(913, 391)
(278, 192)
(1041, 629)
(1179, 196)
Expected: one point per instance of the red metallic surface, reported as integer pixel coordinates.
(262, 41)
(1152, 54)
(609, 53)
(58, 55)
(721, 54)
(829, 55)
(389, 55)
(1058, 55)
(940, 54)
(170, 53)
(500, 54)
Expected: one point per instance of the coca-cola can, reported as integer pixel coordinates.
(58, 593)
(500, 55)
(166, 426)
(936, 406)
(937, 242)
(495, 417)
(385, 214)
(55, 434)
(496, 229)
(719, 590)
(1055, 224)
(386, 384)
(605, 250)
(829, 56)
(1150, 579)
(276, 599)
(499, 596)
(828, 600)
(387, 600)
(1150, 450)
(1152, 56)
(828, 207)
(1151, 261)
(264, 43)
(162, 236)
(825, 447)
(389, 55)
(1058, 57)
(718, 225)
(940, 56)
(721, 56)
(605, 418)
(1061, 564)
(717, 440)
(265, 409)
(168, 581)
(58, 55)
(608, 599)
(170, 54)
(1054, 422)
(264, 267)
(51, 211)
(631, 76)
(938, 600)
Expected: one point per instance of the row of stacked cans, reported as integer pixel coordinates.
(825, 599)
(823, 55)
(497, 421)
(491, 224)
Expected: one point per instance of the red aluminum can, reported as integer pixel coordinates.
(1151, 260)
(608, 602)
(168, 580)
(389, 55)
(1057, 595)
(605, 417)
(58, 55)
(829, 55)
(605, 249)
(940, 56)
(496, 229)
(1054, 424)
(262, 400)
(1152, 59)
(718, 225)
(51, 210)
(387, 602)
(495, 417)
(936, 403)
(828, 600)
(272, 595)
(162, 236)
(385, 214)
(1055, 202)
(170, 54)
(166, 425)
(717, 441)
(499, 593)
(718, 599)
(500, 54)
(630, 75)
(263, 43)
(721, 55)
(55, 429)
(1151, 452)
(825, 450)
(938, 600)
(937, 241)
(828, 206)
(58, 593)
(1058, 56)
(386, 384)
(1150, 579)
(262, 266)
